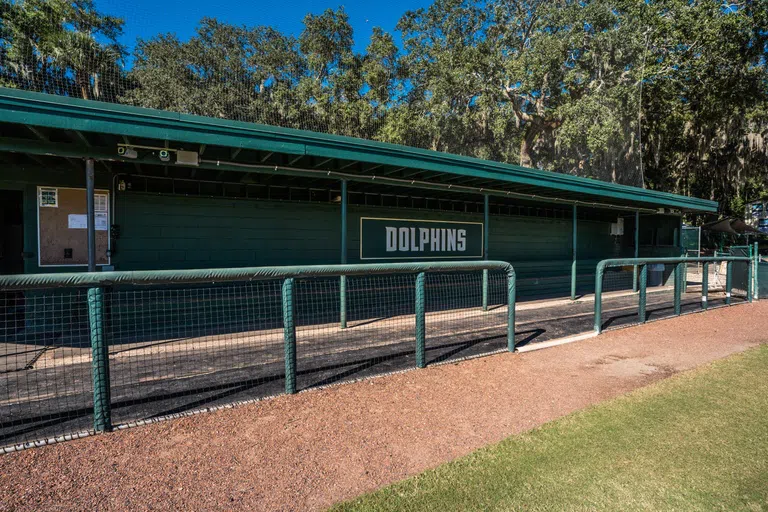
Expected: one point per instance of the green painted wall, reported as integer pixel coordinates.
(162, 231)
(172, 232)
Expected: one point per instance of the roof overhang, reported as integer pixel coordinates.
(78, 128)
(731, 225)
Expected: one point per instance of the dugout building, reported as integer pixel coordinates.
(174, 191)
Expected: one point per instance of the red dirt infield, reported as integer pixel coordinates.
(307, 451)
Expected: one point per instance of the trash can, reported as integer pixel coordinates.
(656, 274)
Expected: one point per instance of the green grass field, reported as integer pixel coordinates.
(697, 441)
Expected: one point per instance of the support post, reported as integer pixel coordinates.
(289, 336)
(91, 217)
(756, 272)
(684, 254)
(678, 286)
(599, 298)
(641, 296)
(486, 218)
(637, 250)
(102, 408)
(750, 275)
(511, 302)
(704, 285)
(574, 243)
(420, 322)
(728, 281)
(343, 279)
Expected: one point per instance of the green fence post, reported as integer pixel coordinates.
(511, 302)
(641, 296)
(102, 408)
(486, 230)
(343, 302)
(683, 253)
(343, 279)
(637, 250)
(728, 281)
(757, 273)
(599, 297)
(704, 284)
(750, 272)
(420, 321)
(289, 336)
(574, 242)
(678, 286)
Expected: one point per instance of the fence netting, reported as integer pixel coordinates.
(458, 326)
(45, 374)
(620, 303)
(174, 349)
(379, 336)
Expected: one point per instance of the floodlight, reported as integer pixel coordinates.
(127, 152)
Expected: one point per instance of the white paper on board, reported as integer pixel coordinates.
(80, 221)
(77, 221)
(101, 222)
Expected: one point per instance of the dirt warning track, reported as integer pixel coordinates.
(310, 450)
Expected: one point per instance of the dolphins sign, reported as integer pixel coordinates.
(405, 239)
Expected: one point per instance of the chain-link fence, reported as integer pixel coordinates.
(119, 348)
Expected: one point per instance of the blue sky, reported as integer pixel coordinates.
(145, 18)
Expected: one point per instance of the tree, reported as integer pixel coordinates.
(314, 81)
(225, 71)
(706, 104)
(451, 97)
(489, 77)
(61, 47)
(669, 94)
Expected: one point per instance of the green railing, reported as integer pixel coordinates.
(679, 280)
(102, 290)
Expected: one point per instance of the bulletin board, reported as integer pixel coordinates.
(62, 227)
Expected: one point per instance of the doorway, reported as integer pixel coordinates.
(11, 232)
(11, 260)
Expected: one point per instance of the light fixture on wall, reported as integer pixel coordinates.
(187, 158)
(127, 152)
(164, 155)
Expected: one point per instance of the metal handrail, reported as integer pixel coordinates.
(642, 263)
(96, 282)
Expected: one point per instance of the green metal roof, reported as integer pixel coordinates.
(249, 147)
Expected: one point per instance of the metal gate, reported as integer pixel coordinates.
(741, 269)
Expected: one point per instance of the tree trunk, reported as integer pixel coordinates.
(526, 147)
(82, 81)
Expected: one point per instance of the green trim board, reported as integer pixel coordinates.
(66, 150)
(383, 238)
(65, 113)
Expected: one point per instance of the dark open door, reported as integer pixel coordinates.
(11, 232)
(11, 260)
